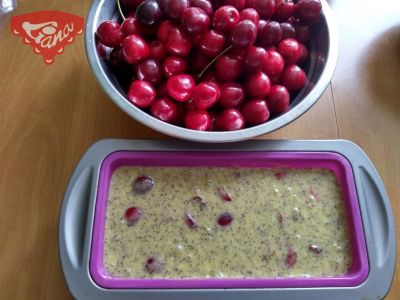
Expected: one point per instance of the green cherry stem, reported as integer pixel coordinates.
(214, 60)
(120, 10)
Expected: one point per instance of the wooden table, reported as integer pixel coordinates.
(49, 116)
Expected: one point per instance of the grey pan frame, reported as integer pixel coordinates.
(77, 214)
(323, 57)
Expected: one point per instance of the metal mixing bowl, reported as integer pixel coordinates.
(323, 48)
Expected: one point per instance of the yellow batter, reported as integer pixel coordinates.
(285, 223)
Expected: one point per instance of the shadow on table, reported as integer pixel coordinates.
(381, 68)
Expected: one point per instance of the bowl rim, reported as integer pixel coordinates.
(210, 136)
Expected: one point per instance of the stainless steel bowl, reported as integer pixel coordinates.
(323, 57)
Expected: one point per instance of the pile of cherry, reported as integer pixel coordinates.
(210, 64)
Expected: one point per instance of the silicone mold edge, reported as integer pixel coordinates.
(330, 160)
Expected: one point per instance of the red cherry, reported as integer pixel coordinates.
(228, 68)
(303, 54)
(274, 65)
(290, 50)
(288, 30)
(258, 85)
(135, 49)
(293, 78)
(255, 58)
(250, 14)
(211, 43)
(232, 95)
(154, 265)
(150, 71)
(149, 12)
(255, 112)
(143, 184)
(174, 8)
(225, 196)
(117, 59)
(181, 87)
(110, 33)
(131, 26)
(237, 53)
(206, 94)
(164, 109)
(270, 34)
(225, 219)
(205, 5)
(174, 65)
(265, 8)
(195, 39)
(209, 76)
(291, 257)
(302, 33)
(250, 3)
(132, 215)
(238, 4)
(163, 6)
(261, 25)
(198, 120)
(284, 10)
(278, 99)
(225, 18)
(229, 119)
(101, 50)
(280, 176)
(195, 20)
(157, 50)
(141, 93)
(163, 30)
(308, 10)
(147, 32)
(178, 43)
(243, 34)
(190, 221)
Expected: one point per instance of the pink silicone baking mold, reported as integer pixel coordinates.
(334, 162)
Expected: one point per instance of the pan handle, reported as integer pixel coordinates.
(73, 219)
(379, 216)
(380, 225)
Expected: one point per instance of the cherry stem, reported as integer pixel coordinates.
(120, 10)
(214, 60)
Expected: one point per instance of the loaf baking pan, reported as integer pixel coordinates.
(367, 208)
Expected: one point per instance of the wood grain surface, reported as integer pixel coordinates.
(49, 116)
